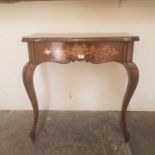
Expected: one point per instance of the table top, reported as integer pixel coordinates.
(80, 37)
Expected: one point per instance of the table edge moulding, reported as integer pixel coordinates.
(94, 48)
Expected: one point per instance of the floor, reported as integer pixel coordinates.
(76, 133)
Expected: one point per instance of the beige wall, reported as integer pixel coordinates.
(76, 86)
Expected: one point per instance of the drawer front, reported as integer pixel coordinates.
(64, 52)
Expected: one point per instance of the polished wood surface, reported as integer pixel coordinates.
(13, 1)
(80, 37)
(94, 48)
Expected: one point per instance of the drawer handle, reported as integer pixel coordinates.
(48, 52)
(81, 56)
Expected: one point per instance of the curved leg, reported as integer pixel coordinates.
(28, 72)
(133, 76)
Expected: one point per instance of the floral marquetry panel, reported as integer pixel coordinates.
(90, 52)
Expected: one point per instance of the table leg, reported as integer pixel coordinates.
(28, 72)
(133, 76)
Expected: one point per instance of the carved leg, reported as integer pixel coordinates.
(28, 72)
(133, 76)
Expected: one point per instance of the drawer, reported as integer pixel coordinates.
(64, 52)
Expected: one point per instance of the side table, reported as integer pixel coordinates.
(93, 48)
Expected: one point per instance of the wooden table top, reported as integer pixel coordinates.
(80, 37)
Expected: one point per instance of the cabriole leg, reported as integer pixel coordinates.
(133, 76)
(28, 72)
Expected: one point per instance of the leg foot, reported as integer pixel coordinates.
(33, 137)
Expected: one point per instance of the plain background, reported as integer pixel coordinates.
(76, 86)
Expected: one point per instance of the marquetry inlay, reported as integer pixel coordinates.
(81, 52)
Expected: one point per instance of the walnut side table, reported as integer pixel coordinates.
(93, 48)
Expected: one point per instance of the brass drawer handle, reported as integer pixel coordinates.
(48, 52)
(81, 56)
